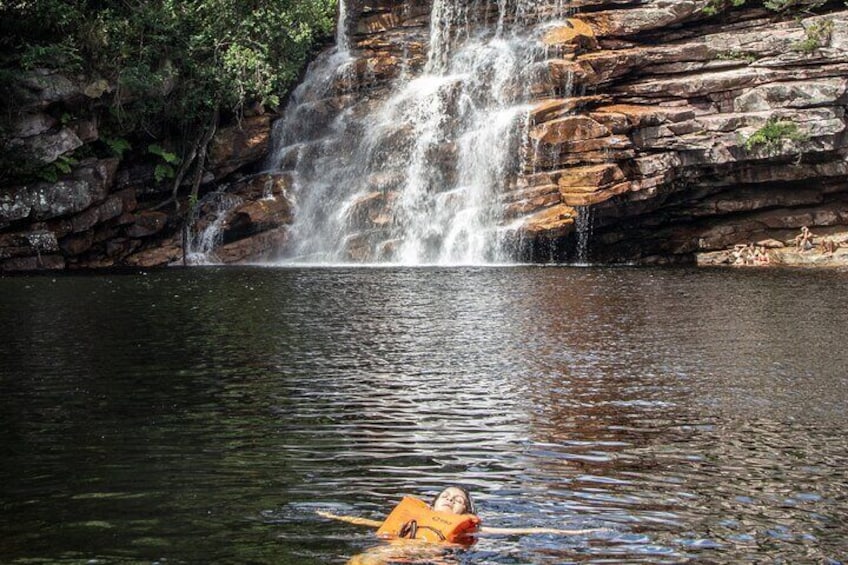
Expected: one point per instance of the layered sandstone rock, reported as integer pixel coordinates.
(653, 128)
(664, 158)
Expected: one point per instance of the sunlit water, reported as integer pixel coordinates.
(416, 175)
(204, 415)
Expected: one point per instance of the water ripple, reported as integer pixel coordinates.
(561, 397)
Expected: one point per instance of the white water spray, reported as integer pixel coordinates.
(583, 229)
(415, 179)
(342, 34)
(200, 244)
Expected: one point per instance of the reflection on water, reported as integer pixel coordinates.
(696, 415)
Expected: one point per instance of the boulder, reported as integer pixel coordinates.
(654, 15)
(239, 145)
(260, 245)
(256, 216)
(795, 94)
(162, 255)
(45, 87)
(77, 244)
(87, 185)
(33, 263)
(25, 244)
(48, 147)
(29, 124)
(146, 224)
(575, 33)
(568, 129)
(552, 221)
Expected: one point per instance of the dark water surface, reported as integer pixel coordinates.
(204, 415)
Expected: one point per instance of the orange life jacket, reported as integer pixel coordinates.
(414, 519)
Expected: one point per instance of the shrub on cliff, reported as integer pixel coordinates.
(771, 137)
(212, 51)
(715, 6)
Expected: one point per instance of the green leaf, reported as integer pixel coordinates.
(118, 146)
(163, 171)
(166, 156)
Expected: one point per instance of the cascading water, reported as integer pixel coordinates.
(583, 230)
(201, 241)
(342, 37)
(416, 178)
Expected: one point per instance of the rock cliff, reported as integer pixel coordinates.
(91, 209)
(663, 131)
(695, 134)
(660, 132)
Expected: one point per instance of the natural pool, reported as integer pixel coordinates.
(204, 415)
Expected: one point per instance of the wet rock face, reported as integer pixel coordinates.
(239, 145)
(720, 130)
(669, 133)
(87, 185)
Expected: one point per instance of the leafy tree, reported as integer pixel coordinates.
(179, 65)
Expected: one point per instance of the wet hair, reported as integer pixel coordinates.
(469, 508)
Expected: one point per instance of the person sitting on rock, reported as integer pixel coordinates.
(750, 254)
(738, 254)
(760, 256)
(804, 240)
(827, 245)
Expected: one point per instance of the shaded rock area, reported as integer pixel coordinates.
(111, 212)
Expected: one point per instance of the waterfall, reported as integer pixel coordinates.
(583, 230)
(200, 244)
(342, 34)
(415, 177)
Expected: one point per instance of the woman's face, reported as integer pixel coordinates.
(451, 500)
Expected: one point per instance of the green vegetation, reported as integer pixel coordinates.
(816, 36)
(715, 6)
(737, 56)
(118, 146)
(787, 5)
(177, 65)
(167, 162)
(61, 166)
(771, 136)
(193, 54)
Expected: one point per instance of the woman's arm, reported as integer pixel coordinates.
(483, 529)
(518, 531)
(350, 519)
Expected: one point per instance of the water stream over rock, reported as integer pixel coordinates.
(201, 241)
(413, 172)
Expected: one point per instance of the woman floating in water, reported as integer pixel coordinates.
(450, 519)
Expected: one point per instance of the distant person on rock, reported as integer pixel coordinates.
(804, 240)
(828, 246)
(761, 256)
